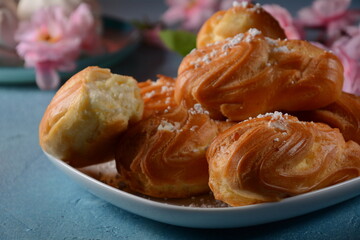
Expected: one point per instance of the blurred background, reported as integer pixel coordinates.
(147, 61)
(146, 9)
(149, 52)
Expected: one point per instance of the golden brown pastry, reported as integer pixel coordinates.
(276, 156)
(83, 121)
(251, 74)
(343, 114)
(158, 96)
(164, 155)
(238, 19)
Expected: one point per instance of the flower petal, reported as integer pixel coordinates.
(351, 65)
(352, 48)
(330, 8)
(285, 20)
(173, 15)
(81, 20)
(46, 76)
(308, 17)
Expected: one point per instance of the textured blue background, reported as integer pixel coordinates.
(37, 201)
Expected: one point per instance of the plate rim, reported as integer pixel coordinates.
(309, 202)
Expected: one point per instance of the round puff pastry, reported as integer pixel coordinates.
(158, 95)
(276, 156)
(83, 121)
(251, 74)
(164, 155)
(238, 19)
(343, 114)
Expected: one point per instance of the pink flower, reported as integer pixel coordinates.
(84, 26)
(347, 49)
(351, 44)
(351, 72)
(353, 30)
(291, 28)
(51, 41)
(331, 14)
(190, 13)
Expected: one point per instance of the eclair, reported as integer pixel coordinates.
(164, 155)
(252, 74)
(343, 114)
(276, 156)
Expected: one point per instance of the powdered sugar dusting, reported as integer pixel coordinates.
(168, 126)
(275, 44)
(271, 41)
(149, 94)
(227, 44)
(274, 115)
(167, 109)
(277, 121)
(209, 205)
(166, 88)
(244, 4)
(198, 109)
(278, 125)
(278, 116)
(206, 201)
(206, 59)
(253, 32)
(256, 8)
(168, 100)
(231, 42)
(283, 49)
(213, 53)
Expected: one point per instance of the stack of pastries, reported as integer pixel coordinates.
(251, 116)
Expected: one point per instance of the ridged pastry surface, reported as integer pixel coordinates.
(343, 114)
(251, 74)
(276, 156)
(164, 155)
(158, 95)
(238, 19)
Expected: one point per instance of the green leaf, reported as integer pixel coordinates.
(179, 41)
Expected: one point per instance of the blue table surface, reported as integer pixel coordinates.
(37, 201)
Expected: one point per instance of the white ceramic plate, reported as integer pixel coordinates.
(210, 217)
